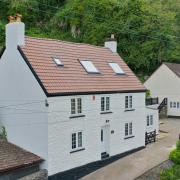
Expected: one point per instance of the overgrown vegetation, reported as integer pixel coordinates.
(3, 133)
(174, 172)
(147, 30)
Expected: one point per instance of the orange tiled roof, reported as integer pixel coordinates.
(72, 78)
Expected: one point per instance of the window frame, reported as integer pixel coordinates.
(76, 106)
(79, 142)
(105, 104)
(128, 131)
(128, 102)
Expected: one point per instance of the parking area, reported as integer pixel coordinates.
(132, 166)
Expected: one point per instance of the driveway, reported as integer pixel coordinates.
(132, 166)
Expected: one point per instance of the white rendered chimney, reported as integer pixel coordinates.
(111, 44)
(15, 32)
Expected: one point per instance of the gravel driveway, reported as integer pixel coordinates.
(132, 166)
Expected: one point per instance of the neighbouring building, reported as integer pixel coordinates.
(70, 103)
(164, 83)
(16, 162)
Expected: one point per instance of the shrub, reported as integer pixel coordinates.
(175, 156)
(178, 145)
(171, 174)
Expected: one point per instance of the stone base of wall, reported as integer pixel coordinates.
(40, 175)
(154, 173)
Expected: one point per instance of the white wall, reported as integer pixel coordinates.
(26, 124)
(165, 84)
(61, 127)
(150, 110)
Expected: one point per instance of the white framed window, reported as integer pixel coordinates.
(89, 66)
(76, 106)
(128, 102)
(77, 140)
(174, 105)
(171, 104)
(128, 129)
(105, 104)
(58, 61)
(116, 68)
(149, 119)
(177, 104)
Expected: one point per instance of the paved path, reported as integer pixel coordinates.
(132, 166)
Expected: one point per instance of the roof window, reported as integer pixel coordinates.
(58, 61)
(116, 68)
(89, 66)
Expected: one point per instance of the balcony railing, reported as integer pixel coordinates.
(152, 101)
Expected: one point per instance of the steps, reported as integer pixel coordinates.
(104, 155)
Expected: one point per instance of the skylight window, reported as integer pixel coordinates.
(89, 66)
(58, 62)
(116, 68)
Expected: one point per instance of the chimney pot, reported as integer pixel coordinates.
(18, 17)
(15, 32)
(11, 19)
(112, 36)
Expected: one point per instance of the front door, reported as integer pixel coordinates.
(105, 139)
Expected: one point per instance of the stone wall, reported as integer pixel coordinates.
(40, 175)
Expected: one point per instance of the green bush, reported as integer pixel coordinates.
(175, 156)
(171, 174)
(178, 145)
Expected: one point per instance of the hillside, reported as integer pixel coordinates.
(147, 30)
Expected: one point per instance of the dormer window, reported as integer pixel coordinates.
(116, 68)
(58, 61)
(89, 66)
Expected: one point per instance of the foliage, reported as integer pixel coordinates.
(178, 145)
(3, 133)
(171, 174)
(175, 156)
(146, 30)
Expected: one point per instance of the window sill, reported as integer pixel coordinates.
(126, 110)
(106, 112)
(129, 137)
(76, 116)
(77, 150)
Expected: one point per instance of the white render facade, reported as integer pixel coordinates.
(64, 136)
(61, 126)
(164, 83)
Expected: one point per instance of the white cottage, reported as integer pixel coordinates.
(70, 103)
(165, 84)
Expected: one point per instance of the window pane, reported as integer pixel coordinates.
(177, 104)
(102, 104)
(130, 128)
(126, 129)
(79, 105)
(174, 105)
(116, 68)
(101, 135)
(126, 102)
(147, 120)
(107, 103)
(171, 104)
(151, 120)
(130, 101)
(89, 67)
(79, 139)
(73, 140)
(73, 106)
